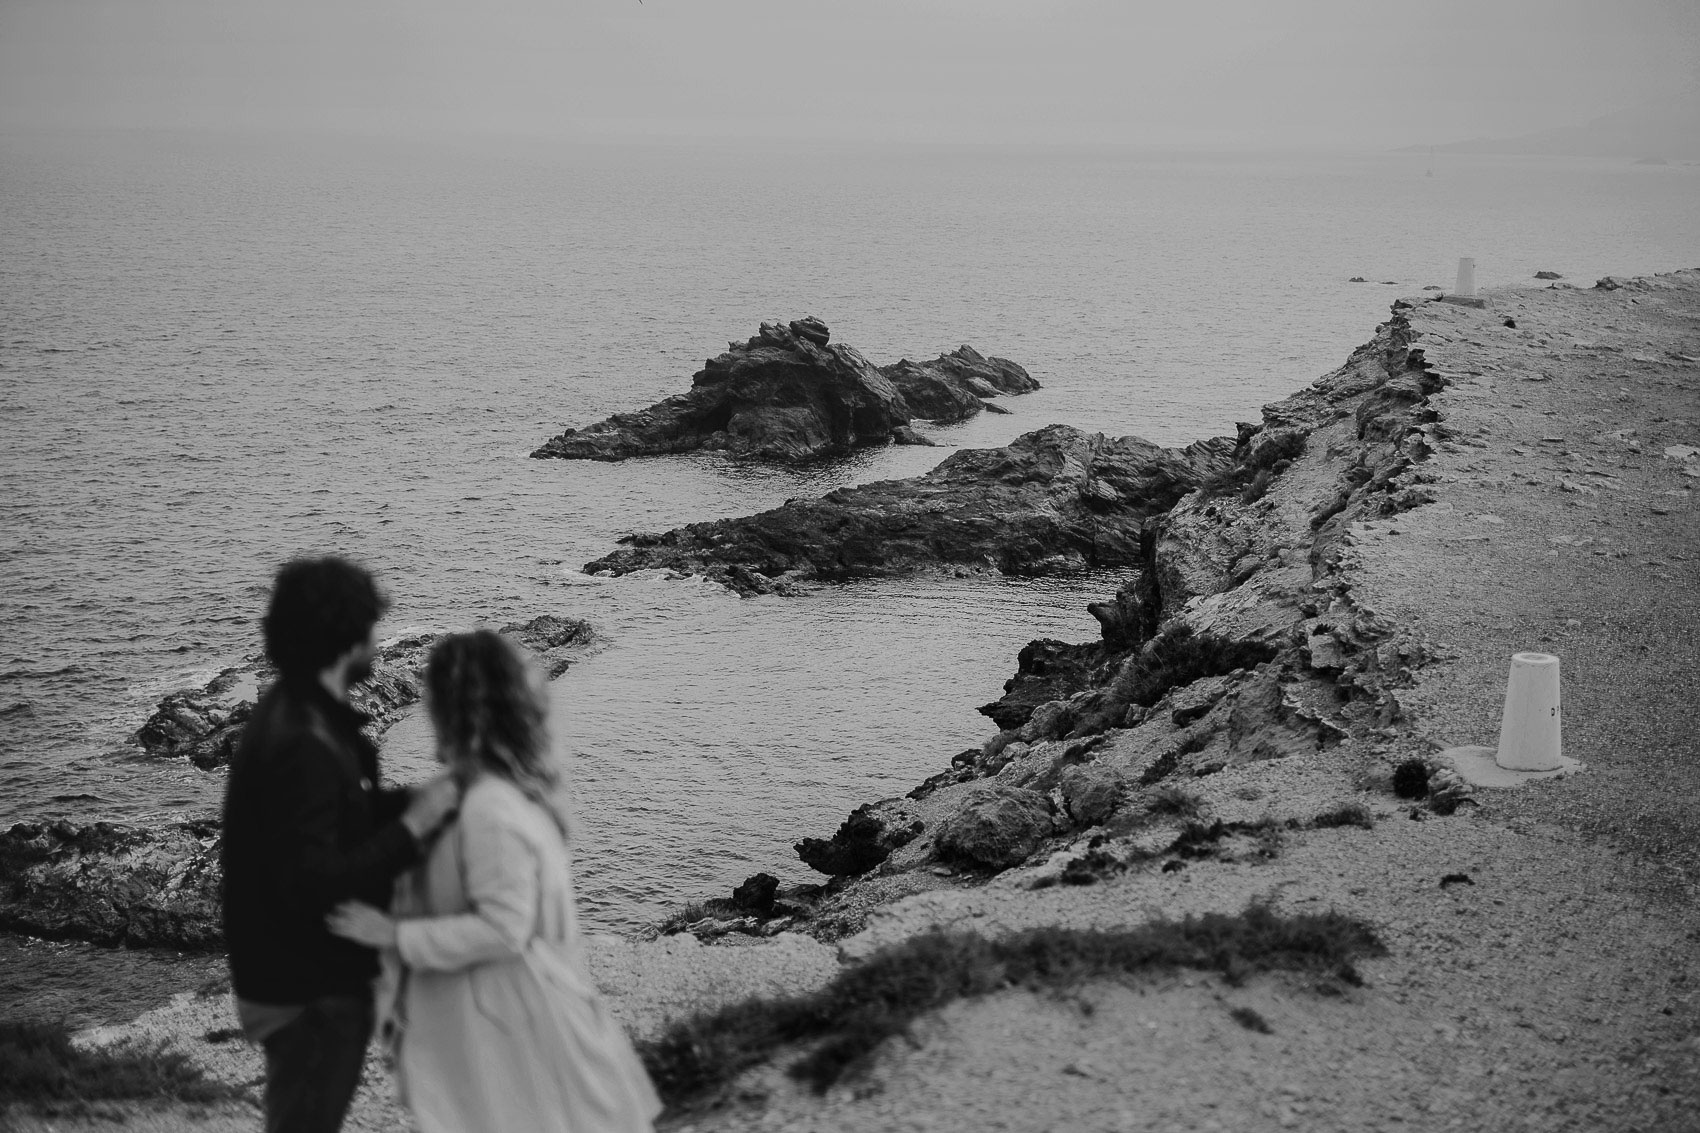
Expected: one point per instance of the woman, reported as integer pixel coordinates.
(500, 1026)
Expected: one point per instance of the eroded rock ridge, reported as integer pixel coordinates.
(1054, 501)
(1239, 640)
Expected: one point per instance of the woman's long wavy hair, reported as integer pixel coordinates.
(490, 707)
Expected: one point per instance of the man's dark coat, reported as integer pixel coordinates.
(305, 828)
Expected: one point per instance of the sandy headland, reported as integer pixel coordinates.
(1324, 605)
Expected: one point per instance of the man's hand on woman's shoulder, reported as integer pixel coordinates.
(430, 804)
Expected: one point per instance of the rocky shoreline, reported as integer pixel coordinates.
(1238, 641)
(116, 884)
(1314, 620)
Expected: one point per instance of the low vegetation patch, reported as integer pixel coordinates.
(40, 1067)
(1181, 656)
(1251, 1019)
(1272, 456)
(1175, 800)
(689, 914)
(1349, 814)
(1257, 488)
(876, 1000)
(1200, 839)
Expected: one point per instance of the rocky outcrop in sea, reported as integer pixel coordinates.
(203, 725)
(791, 394)
(1054, 501)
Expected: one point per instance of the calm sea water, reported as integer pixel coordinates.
(217, 352)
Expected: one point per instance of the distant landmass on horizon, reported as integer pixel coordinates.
(1665, 128)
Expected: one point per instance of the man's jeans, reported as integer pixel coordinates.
(313, 1065)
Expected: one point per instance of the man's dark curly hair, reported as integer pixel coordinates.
(319, 608)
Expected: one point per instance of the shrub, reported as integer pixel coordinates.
(1410, 779)
(1252, 1020)
(39, 1064)
(690, 913)
(1180, 656)
(865, 1005)
(1257, 488)
(1351, 814)
(1175, 800)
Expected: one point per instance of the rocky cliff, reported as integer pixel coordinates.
(791, 394)
(1238, 640)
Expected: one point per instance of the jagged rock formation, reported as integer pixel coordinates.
(790, 394)
(1239, 640)
(203, 725)
(862, 841)
(1054, 501)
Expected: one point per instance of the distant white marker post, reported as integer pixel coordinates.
(1466, 287)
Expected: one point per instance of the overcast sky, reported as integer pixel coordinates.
(1357, 72)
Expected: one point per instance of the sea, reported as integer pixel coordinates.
(219, 351)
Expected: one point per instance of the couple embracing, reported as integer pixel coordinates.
(458, 890)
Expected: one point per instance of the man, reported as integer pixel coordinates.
(306, 827)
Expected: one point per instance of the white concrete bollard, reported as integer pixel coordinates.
(1529, 732)
(1466, 288)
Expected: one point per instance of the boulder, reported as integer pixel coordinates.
(756, 894)
(863, 841)
(113, 884)
(995, 827)
(1054, 501)
(1046, 670)
(1191, 701)
(1090, 792)
(790, 394)
(1050, 721)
